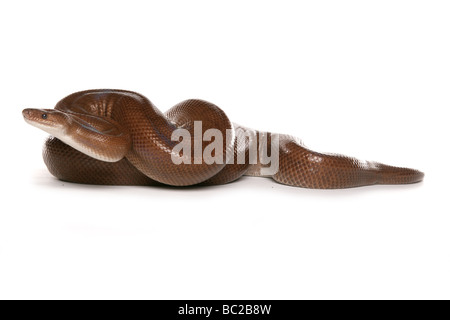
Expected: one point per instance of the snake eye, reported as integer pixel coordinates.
(44, 116)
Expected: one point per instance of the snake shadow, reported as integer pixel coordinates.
(244, 184)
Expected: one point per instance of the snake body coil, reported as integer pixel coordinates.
(119, 137)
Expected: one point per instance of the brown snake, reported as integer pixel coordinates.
(119, 137)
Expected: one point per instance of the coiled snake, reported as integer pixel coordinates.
(119, 137)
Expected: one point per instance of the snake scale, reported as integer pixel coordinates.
(118, 137)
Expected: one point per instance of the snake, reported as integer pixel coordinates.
(119, 137)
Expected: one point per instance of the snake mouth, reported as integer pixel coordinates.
(28, 114)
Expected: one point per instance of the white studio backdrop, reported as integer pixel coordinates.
(368, 79)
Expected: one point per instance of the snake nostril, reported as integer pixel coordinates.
(26, 113)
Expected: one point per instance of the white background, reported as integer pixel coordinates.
(365, 78)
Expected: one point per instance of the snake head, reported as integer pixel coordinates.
(98, 137)
(51, 121)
